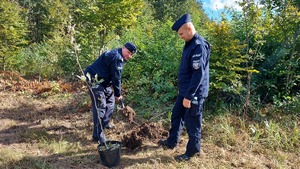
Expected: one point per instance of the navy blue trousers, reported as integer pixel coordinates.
(102, 109)
(190, 118)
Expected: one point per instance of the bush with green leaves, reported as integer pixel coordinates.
(151, 76)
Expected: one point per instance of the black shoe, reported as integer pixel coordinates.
(182, 157)
(95, 141)
(109, 126)
(164, 143)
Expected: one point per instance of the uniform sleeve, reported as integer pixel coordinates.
(198, 65)
(116, 73)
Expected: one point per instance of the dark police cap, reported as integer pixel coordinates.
(131, 47)
(184, 19)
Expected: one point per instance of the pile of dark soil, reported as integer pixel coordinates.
(146, 131)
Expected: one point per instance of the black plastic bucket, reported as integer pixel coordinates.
(110, 155)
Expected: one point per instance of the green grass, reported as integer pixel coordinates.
(227, 130)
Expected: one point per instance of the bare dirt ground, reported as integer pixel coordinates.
(48, 126)
(30, 110)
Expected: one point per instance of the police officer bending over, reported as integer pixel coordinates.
(193, 84)
(107, 69)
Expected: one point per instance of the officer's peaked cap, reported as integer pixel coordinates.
(184, 19)
(131, 47)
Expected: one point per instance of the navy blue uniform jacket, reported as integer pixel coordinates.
(193, 76)
(109, 67)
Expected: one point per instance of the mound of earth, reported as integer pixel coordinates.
(128, 113)
(146, 131)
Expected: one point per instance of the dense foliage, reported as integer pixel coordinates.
(255, 57)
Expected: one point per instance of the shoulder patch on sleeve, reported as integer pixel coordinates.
(196, 64)
(196, 59)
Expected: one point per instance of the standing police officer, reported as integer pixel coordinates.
(108, 70)
(193, 84)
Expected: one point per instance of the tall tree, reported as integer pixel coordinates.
(226, 60)
(166, 9)
(97, 19)
(46, 18)
(279, 71)
(252, 27)
(12, 30)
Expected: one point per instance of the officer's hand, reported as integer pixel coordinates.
(119, 98)
(186, 103)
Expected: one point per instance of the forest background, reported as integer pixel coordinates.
(254, 61)
(254, 65)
